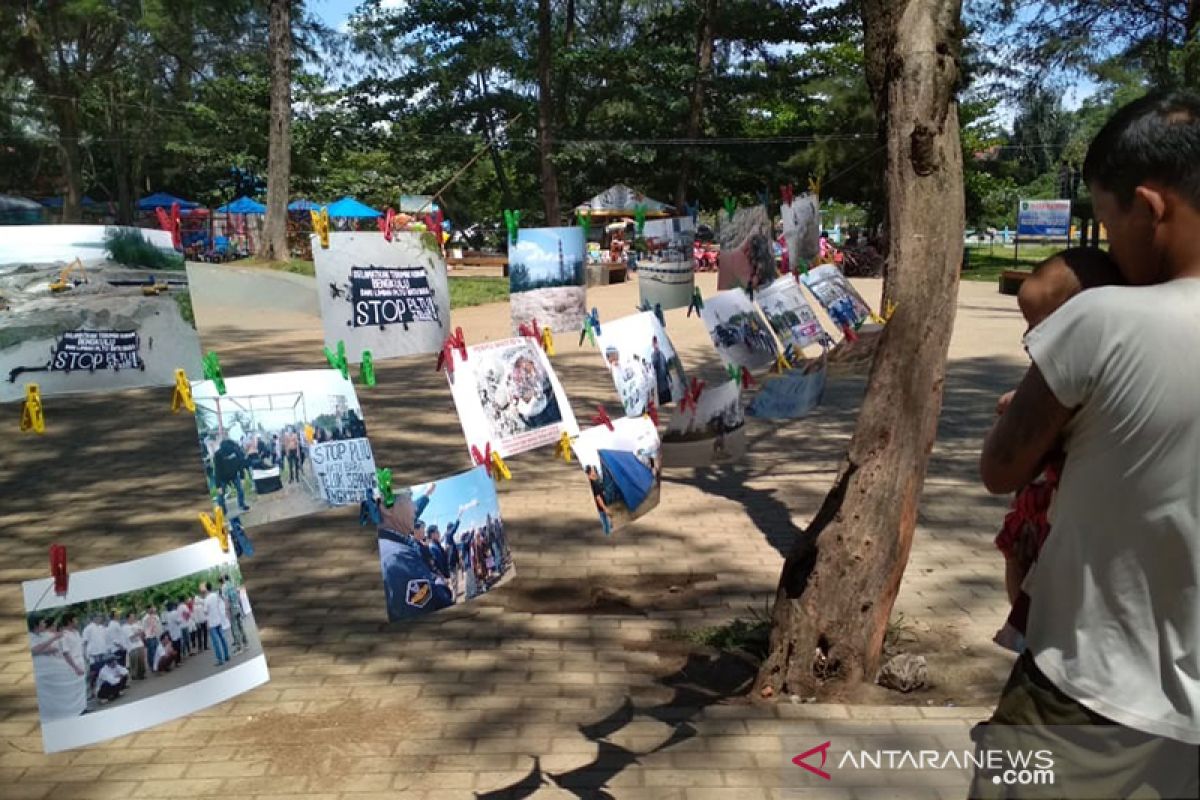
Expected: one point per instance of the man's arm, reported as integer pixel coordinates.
(1018, 443)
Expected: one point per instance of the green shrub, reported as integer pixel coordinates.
(126, 246)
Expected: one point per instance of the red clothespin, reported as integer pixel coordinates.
(747, 378)
(483, 459)
(601, 418)
(433, 222)
(787, 194)
(652, 412)
(58, 568)
(385, 224)
(455, 341)
(529, 329)
(850, 334)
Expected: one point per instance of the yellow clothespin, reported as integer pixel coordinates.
(887, 312)
(547, 341)
(183, 393)
(309, 433)
(781, 362)
(564, 447)
(31, 412)
(814, 186)
(499, 468)
(320, 224)
(215, 527)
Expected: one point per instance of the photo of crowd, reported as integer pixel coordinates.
(712, 431)
(642, 361)
(128, 650)
(263, 442)
(790, 315)
(507, 395)
(843, 303)
(442, 544)
(623, 467)
(738, 331)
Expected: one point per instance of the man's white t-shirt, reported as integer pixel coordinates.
(95, 636)
(213, 611)
(1115, 595)
(133, 636)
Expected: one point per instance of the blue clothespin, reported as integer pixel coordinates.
(591, 327)
(241, 542)
(697, 303)
(368, 511)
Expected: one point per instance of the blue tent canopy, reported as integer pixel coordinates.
(633, 479)
(243, 205)
(57, 202)
(348, 207)
(163, 200)
(302, 204)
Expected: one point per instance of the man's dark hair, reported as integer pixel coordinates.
(1155, 138)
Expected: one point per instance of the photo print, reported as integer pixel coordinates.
(666, 271)
(642, 361)
(740, 334)
(801, 230)
(711, 432)
(507, 394)
(789, 314)
(442, 544)
(392, 298)
(794, 394)
(623, 467)
(93, 326)
(747, 257)
(284, 444)
(140, 643)
(547, 277)
(843, 303)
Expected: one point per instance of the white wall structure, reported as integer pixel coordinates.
(46, 244)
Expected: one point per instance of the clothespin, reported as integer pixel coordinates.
(454, 341)
(383, 479)
(433, 222)
(691, 395)
(787, 194)
(584, 221)
(183, 393)
(58, 568)
(730, 206)
(338, 360)
(849, 332)
(320, 226)
(32, 418)
(652, 413)
(564, 447)
(601, 418)
(500, 470)
(310, 433)
(591, 327)
(782, 363)
(212, 371)
(764, 198)
(547, 341)
(888, 311)
(368, 511)
(366, 368)
(740, 375)
(639, 216)
(529, 329)
(512, 221)
(215, 527)
(483, 459)
(658, 313)
(814, 186)
(697, 303)
(385, 224)
(241, 542)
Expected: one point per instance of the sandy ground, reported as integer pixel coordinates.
(560, 309)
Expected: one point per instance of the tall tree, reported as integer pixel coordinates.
(705, 41)
(546, 113)
(841, 577)
(273, 245)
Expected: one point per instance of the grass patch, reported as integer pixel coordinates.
(476, 291)
(296, 266)
(127, 247)
(184, 301)
(987, 263)
(750, 636)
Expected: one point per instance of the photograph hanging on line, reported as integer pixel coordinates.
(140, 643)
(738, 331)
(747, 257)
(507, 394)
(789, 314)
(713, 431)
(623, 468)
(284, 444)
(392, 298)
(801, 231)
(794, 394)
(93, 325)
(666, 270)
(841, 300)
(547, 278)
(442, 544)
(642, 361)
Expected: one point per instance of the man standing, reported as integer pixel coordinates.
(291, 451)
(662, 373)
(441, 562)
(215, 614)
(95, 648)
(1110, 682)
(229, 462)
(597, 484)
(152, 630)
(201, 618)
(233, 607)
(136, 641)
(117, 645)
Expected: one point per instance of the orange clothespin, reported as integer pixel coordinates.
(564, 447)
(652, 412)
(214, 526)
(58, 568)
(320, 226)
(32, 418)
(601, 418)
(183, 393)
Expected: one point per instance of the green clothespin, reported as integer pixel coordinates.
(735, 373)
(697, 303)
(859, 324)
(639, 216)
(730, 206)
(338, 360)
(212, 372)
(512, 221)
(366, 368)
(383, 477)
(585, 222)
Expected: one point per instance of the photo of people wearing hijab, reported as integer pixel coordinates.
(642, 361)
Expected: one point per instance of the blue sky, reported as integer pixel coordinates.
(333, 12)
(455, 492)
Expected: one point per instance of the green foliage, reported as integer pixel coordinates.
(127, 246)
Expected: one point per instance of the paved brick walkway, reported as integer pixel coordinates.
(580, 692)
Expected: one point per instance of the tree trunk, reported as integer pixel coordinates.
(839, 582)
(273, 245)
(489, 130)
(66, 114)
(546, 114)
(704, 62)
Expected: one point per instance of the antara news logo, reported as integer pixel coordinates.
(1007, 767)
